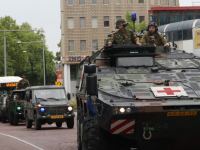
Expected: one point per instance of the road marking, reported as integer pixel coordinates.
(22, 141)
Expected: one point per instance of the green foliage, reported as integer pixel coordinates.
(58, 53)
(29, 63)
(138, 27)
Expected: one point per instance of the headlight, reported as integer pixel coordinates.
(42, 109)
(19, 108)
(128, 110)
(70, 108)
(122, 110)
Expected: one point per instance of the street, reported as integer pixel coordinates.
(48, 138)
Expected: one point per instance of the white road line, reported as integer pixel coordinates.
(22, 141)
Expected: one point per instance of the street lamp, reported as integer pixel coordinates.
(44, 67)
(5, 69)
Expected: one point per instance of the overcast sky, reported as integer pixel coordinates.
(45, 14)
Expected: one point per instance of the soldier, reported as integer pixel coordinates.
(22, 84)
(123, 36)
(153, 34)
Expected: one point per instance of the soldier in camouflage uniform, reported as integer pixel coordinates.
(22, 84)
(153, 34)
(123, 36)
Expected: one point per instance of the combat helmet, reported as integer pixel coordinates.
(152, 24)
(123, 22)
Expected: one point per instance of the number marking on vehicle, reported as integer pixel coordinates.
(57, 117)
(183, 113)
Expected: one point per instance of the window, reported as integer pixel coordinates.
(106, 21)
(154, 19)
(187, 34)
(174, 2)
(159, 2)
(81, 1)
(94, 44)
(82, 22)
(152, 2)
(71, 45)
(94, 22)
(73, 72)
(176, 18)
(188, 17)
(141, 18)
(167, 2)
(118, 17)
(118, 1)
(164, 20)
(70, 23)
(70, 2)
(141, 1)
(94, 1)
(129, 1)
(180, 36)
(105, 1)
(83, 44)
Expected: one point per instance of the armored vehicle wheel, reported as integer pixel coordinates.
(28, 122)
(15, 120)
(58, 124)
(70, 123)
(37, 123)
(93, 137)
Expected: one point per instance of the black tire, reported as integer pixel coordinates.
(15, 120)
(11, 119)
(37, 123)
(28, 122)
(0, 118)
(58, 124)
(93, 137)
(3, 118)
(79, 143)
(70, 123)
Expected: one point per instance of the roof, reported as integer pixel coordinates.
(44, 87)
(177, 26)
(10, 79)
(173, 8)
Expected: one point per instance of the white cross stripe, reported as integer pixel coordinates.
(116, 123)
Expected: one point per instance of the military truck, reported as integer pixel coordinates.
(3, 116)
(47, 104)
(138, 97)
(15, 106)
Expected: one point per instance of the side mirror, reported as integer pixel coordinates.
(68, 96)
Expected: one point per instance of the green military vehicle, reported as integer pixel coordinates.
(132, 97)
(15, 106)
(47, 104)
(3, 116)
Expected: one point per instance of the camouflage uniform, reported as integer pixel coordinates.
(159, 39)
(123, 37)
(23, 84)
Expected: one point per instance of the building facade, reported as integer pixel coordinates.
(166, 15)
(85, 25)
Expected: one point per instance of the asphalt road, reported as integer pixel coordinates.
(48, 138)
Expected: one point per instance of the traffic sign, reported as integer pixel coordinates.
(58, 83)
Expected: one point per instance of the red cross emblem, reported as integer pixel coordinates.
(168, 91)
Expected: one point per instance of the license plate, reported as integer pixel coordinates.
(57, 116)
(183, 113)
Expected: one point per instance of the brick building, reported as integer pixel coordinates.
(85, 25)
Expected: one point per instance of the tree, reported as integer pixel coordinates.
(138, 27)
(58, 53)
(29, 63)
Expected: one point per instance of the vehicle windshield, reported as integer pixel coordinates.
(134, 61)
(50, 93)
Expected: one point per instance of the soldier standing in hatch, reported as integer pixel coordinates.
(153, 33)
(22, 84)
(123, 36)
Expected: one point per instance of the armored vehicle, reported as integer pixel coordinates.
(138, 97)
(47, 104)
(3, 116)
(15, 106)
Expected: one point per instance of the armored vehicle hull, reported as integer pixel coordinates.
(139, 97)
